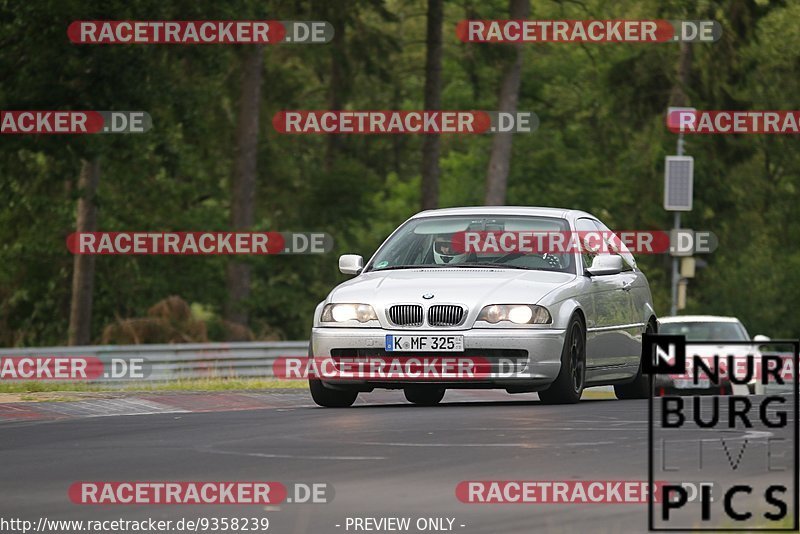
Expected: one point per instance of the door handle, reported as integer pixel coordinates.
(627, 286)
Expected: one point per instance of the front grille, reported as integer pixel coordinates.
(445, 315)
(406, 314)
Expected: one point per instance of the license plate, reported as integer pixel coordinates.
(396, 343)
(688, 383)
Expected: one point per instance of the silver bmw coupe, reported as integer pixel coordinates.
(463, 284)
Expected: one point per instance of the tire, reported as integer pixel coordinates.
(327, 397)
(568, 386)
(330, 398)
(424, 396)
(639, 388)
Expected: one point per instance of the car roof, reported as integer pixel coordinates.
(561, 213)
(698, 319)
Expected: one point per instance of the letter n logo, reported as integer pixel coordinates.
(663, 355)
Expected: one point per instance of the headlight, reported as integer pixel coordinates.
(515, 313)
(342, 313)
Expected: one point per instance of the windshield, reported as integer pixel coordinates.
(434, 242)
(706, 331)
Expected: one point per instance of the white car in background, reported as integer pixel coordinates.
(708, 328)
(570, 320)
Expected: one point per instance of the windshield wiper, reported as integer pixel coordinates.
(448, 265)
(490, 264)
(397, 267)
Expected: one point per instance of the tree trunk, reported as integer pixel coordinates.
(243, 182)
(333, 142)
(80, 312)
(433, 101)
(500, 157)
(678, 96)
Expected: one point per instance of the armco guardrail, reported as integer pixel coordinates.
(185, 361)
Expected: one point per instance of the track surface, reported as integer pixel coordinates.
(383, 457)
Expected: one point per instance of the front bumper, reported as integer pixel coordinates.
(537, 354)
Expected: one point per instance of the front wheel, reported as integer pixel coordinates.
(424, 396)
(639, 388)
(330, 398)
(568, 386)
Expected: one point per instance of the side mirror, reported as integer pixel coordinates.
(605, 264)
(761, 338)
(350, 263)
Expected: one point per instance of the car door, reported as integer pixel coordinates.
(635, 296)
(610, 338)
(633, 280)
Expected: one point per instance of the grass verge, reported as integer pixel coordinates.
(202, 384)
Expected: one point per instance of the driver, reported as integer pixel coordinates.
(444, 252)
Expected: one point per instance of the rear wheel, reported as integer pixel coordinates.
(568, 386)
(640, 387)
(330, 398)
(424, 396)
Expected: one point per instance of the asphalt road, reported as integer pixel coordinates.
(383, 457)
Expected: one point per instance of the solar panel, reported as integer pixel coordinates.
(678, 183)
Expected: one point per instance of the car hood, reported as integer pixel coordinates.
(472, 287)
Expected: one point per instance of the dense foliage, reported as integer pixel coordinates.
(600, 147)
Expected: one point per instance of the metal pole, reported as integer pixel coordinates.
(675, 264)
(675, 271)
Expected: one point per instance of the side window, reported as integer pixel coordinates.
(586, 225)
(616, 244)
(744, 331)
